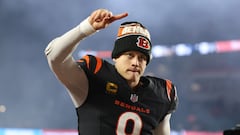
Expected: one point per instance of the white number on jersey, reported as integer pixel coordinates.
(123, 121)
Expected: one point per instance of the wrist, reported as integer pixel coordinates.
(86, 28)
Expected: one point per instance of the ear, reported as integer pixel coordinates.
(114, 60)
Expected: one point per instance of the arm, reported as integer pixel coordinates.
(163, 127)
(59, 53)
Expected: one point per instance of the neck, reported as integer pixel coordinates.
(134, 85)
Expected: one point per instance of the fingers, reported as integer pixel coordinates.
(117, 17)
(100, 15)
(101, 18)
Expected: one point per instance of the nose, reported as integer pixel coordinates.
(135, 61)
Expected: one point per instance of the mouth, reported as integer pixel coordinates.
(134, 71)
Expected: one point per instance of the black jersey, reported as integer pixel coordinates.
(113, 108)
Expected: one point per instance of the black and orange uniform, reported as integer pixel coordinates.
(113, 108)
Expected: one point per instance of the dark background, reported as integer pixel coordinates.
(208, 85)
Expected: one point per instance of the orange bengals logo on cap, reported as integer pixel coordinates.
(142, 42)
(132, 29)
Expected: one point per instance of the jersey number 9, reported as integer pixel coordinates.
(123, 121)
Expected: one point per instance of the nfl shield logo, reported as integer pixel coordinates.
(134, 98)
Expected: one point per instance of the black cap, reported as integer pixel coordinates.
(132, 36)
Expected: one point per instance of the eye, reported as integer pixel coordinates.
(129, 54)
(142, 58)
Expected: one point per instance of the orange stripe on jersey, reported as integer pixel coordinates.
(87, 59)
(169, 88)
(98, 65)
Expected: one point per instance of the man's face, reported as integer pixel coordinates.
(131, 65)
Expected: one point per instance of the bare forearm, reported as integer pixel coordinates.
(164, 127)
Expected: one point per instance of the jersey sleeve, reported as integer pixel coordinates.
(90, 64)
(172, 96)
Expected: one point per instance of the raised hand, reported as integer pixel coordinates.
(101, 18)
